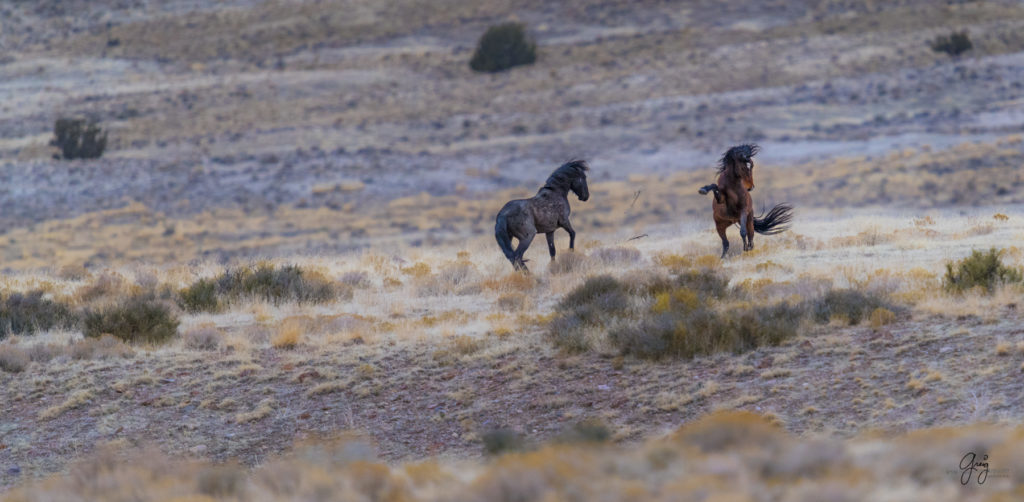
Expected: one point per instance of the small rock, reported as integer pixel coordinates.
(603, 387)
(945, 349)
(198, 449)
(14, 470)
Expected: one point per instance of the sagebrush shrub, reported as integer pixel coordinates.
(982, 269)
(953, 44)
(78, 139)
(502, 440)
(851, 305)
(13, 359)
(138, 320)
(200, 296)
(261, 282)
(657, 316)
(202, 338)
(26, 313)
(502, 47)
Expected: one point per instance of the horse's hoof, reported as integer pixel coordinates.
(703, 191)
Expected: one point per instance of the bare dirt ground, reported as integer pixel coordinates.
(351, 138)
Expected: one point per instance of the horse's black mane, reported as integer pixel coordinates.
(563, 176)
(741, 153)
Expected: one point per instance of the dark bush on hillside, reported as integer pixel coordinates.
(30, 312)
(502, 47)
(138, 320)
(688, 331)
(668, 316)
(263, 282)
(849, 304)
(953, 44)
(982, 269)
(78, 139)
(200, 296)
(502, 440)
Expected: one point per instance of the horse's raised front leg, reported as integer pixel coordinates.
(722, 226)
(711, 188)
(551, 243)
(524, 242)
(572, 235)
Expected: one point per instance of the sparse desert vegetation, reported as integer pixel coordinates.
(271, 272)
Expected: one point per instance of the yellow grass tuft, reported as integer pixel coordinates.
(417, 270)
(262, 410)
(326, 388)
(881, 316)
(288, 335)
(77, 399)
(916, 385)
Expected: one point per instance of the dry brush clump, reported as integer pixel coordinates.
(694, 311)
(264, 281)
(27, 313)
(140, 319)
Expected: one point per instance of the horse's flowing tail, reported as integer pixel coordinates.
(776, 221)
(502, 235)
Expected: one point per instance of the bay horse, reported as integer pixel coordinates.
(732, 203)
(543, 213)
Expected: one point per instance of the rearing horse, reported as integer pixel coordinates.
(733, 204)
(543, 213)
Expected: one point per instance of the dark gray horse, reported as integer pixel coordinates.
(543, 213)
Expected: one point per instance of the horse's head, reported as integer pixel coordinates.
(579, 187)
(738, 162)
(747, 175)
(571, 176)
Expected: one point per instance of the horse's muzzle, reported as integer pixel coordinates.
(584, 198)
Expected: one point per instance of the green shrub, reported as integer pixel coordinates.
(591, 430)
(605, 290)
(850, 304)
(659, 316)
(953, 44)
(138, 320)
(78, 139)
(703, 330)
(30, 312)
(502, 47)
(502, 440)
(982, 269)
(200, 296)
(263, 282)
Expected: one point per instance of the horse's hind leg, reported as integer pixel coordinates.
(750, 232)
(743, 231)
(524, 242)
(722, 226)
(551, 243)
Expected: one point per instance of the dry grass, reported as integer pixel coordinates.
(686, 463)
(288, 334)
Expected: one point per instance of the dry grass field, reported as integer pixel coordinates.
(280, 281)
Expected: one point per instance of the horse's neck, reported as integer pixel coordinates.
(727, 180)
(564, 192)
